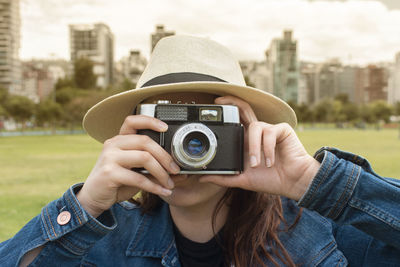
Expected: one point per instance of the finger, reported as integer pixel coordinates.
(269, 144)
(144, 143)
(272, 135)
(139, 159)
(125, 177)
(136, 122)
(246, 112)
(254, 134)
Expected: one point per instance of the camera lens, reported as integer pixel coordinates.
(196, 144)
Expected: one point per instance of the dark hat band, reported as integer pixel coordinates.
(181, 77)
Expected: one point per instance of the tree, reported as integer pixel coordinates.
(304, 113)
(248, 82)
(65, 95)
(396, 108)
(3, 99)
(20, 108)
(3, 95)
(351, 111)
(127, 85)
(83, 73)
(367, 115)
(64, 83)
(324, 111)
(337, 114)
(48, 111)
(3, 111)
(342, 97)
(381, 110)
(80, 104)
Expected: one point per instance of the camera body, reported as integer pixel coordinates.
(202, 139)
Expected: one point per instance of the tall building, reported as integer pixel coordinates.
(347, 82)
(283, 65)
(133, 66)
(10, 65)
(376, 88)
(307, 81)
(327, 80)
(159, 33)
(40, 77)
(361, 81)
(256, 74)
(394, 82)
(352, 81)
(95, 42)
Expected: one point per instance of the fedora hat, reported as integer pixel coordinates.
(185, 64)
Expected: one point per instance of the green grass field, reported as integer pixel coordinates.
(37, 169)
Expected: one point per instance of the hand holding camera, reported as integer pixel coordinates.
(275, 161)
(112, 179)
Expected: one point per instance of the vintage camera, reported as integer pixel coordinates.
(202, 139)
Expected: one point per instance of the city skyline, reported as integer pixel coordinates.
(352, 31)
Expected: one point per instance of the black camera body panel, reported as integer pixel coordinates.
(229, 155)
(219, 126)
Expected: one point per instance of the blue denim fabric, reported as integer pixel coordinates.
(351, 217)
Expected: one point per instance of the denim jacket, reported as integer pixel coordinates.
(351, 217)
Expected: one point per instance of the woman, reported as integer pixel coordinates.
(250, 219)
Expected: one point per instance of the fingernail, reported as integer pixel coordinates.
(163, 126)
(170, 183)
(253, 161)
(268, 162)
(166, 192)
(175, 168)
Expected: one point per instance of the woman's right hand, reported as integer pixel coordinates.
(112, 179)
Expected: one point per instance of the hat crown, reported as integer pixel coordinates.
(188, 54)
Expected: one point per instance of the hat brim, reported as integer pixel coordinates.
(105, 119)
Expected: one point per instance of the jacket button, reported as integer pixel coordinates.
(64, 217)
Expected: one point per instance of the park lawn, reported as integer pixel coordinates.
(35, 170)
(381, 148)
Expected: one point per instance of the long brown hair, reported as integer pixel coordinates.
(251, 236)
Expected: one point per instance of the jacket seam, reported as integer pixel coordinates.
(345, 194)
(78, 213)
(322, 179)
(355, 204)
(52, 227)
(73, 208)
(74, 249)
(45, 225)
(327, 246)
(165, 254)
(139, 231)
(333, 210)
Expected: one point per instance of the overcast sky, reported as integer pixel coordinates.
(356, 31)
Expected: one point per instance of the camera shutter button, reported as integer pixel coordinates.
(163, 102)
(63, 218)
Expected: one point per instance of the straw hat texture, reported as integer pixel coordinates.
(185, 64)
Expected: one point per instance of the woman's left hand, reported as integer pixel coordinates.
(275, 161)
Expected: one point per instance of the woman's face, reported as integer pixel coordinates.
(188, 191)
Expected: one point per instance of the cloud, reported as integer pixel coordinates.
(363, 31)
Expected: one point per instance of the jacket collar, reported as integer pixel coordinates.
(154, 237)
